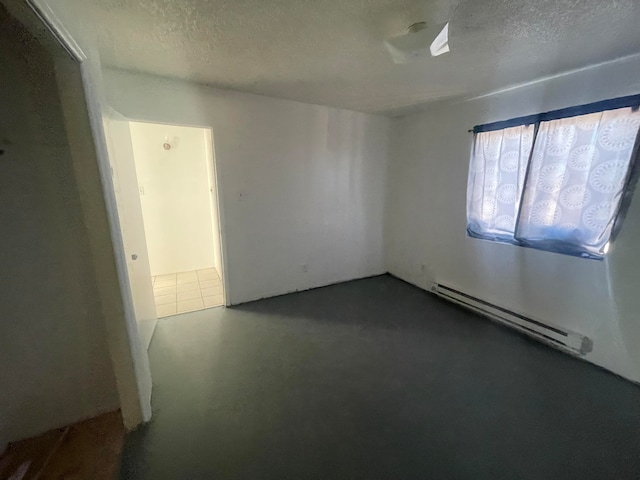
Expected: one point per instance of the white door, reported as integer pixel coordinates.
(125, 184)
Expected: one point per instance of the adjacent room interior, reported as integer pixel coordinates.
(385, 239)
(179, 202)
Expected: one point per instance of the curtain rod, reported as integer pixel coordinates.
(632, 101)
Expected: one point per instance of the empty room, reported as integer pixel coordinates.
(321, 239)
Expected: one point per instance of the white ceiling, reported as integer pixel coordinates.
(331, 52)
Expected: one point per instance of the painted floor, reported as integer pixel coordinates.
(187, 291)
(375, 379)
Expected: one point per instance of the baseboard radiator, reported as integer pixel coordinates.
(572, 342)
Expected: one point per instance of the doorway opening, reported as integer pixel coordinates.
(177, 186)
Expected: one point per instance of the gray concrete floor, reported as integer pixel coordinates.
(375, 379)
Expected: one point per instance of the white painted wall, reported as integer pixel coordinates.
(298, 184)
(55, 367)
(174, 193)
(425, 221)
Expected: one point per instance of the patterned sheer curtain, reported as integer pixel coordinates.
(577, 175)
(496, 178)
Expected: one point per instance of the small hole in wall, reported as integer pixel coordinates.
(166, 146)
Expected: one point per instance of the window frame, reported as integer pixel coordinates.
(631, 179)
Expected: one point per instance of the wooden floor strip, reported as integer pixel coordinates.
(86, 450)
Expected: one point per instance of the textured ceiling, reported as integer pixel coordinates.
(331, 52)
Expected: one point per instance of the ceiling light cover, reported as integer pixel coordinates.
(441, 44)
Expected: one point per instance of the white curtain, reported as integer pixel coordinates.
(576, 178)
(496, 178)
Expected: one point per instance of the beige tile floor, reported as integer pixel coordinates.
(187, 291)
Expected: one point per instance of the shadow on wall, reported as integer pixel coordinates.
(54, 361)
(623, 268)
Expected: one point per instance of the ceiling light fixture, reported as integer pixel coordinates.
(420, 41)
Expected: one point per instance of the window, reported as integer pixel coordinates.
(556, 181)
(496, 179)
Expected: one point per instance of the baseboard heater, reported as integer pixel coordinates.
(550, 334)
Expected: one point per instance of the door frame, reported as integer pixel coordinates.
(215, 180)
